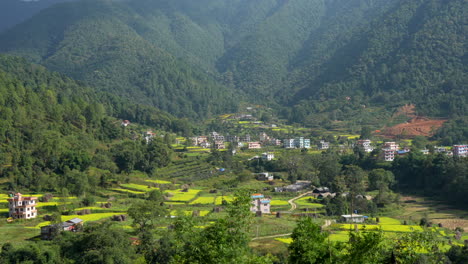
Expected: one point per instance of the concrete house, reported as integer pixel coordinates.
(289, 143)
(460, 150)
(72, 225)
(260, 203)
(254, 145)
(323, 145)
(149, 135)
(264, 176)
(20, 207)
(388, 154)
(365, 144)
(353, 218)
(268, 156)
(391, 146)
(219, 145)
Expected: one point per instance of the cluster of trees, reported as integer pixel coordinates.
(434, 175)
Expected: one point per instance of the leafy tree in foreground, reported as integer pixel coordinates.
(309, 245)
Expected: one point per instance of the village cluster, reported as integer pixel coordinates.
(389, 149)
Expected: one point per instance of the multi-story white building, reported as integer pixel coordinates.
(391, 145)
(388, 154)
(260, 203)
(460, 150)
(20, 207)
(289, 143)
(299, 142)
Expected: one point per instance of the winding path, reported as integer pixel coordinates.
(293, 204)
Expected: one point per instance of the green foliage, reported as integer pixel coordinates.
(145, 214)
(309, 244)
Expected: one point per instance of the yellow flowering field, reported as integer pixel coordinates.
(127, 191)
(138, 187)
(286, 240)
(189, 213)
(203, 200)
(219, 199)
(180, 196)
(158, 181)
(279, 202)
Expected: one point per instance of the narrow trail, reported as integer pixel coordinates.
(272, 236)
(293, 204)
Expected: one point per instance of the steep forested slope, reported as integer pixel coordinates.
(307, 56)
(415, 53)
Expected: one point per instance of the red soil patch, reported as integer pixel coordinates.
(418, 126)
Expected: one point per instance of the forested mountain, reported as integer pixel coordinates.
(305, 55)
(415, 52)
(93, 41)
(13, 12)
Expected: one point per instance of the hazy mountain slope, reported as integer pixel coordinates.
(95, 44)
(309, 54)
(13, 12)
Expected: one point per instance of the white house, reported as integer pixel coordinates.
(268, 156)
(20, 207)
(353, 218)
